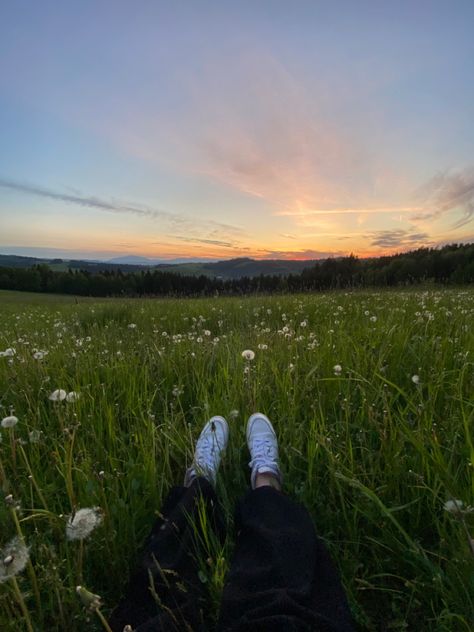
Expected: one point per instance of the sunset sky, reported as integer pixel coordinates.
(217, 129)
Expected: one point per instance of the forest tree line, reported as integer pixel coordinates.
(453, 264)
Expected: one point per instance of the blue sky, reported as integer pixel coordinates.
(222, 129)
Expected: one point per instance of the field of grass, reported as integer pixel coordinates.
(374, 450)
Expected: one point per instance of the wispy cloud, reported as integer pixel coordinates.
(398, 238)
(300, 254)
(446, 192)
(348, 211)
(114, 206)
(213, 242)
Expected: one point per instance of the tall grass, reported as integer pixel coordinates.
(372, 451)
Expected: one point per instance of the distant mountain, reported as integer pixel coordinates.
(226, 269)
(135, 260)
(243, 266)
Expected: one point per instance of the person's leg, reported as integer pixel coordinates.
(164, 593)
(281, 576)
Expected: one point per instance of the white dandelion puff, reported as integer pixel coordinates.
(453, 506)
(39, 355)
(10, 421)
(58, 395)
(132, 326)
(248, 354)
(72, 397)
(233, 414)
(13, 559)
(83, 522)
(9, 353)
(415, 379)
(337, 368)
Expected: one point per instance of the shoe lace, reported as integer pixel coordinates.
(263, 453)
(205, 453)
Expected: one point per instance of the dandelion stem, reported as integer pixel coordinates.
(103, 620)
(22, 604)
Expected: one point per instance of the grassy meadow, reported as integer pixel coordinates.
(371, 395)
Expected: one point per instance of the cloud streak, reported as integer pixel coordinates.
(176, 219)
(398, 238)
(446, 192)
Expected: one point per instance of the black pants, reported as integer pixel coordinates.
(281, 577)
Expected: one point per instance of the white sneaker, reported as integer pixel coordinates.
(263, 447)
(209, 447)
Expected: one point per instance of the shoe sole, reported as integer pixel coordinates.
(250, 421)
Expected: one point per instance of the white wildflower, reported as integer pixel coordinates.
(207, 332)
(373, 319)
(262, 346)
(248, 354)
(453, 506)
(58, 395)
(35, 436)
(337, 368)
(132, 326)
(72, 396)
(415, 379)
(10, 421)
(83, 522)
(39, 355)
(13, 559)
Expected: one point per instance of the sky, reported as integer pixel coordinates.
(219, 129)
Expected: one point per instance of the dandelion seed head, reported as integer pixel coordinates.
(10, 421)
(415, 379)
(453, 506)
(72, 397)
(13, 558)
(83, 522)
(58, 395)
(248, 354)
(337, 368)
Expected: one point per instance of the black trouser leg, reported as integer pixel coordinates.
(282, 577)
(164, 593)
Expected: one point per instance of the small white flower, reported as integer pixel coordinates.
(337, 368)
(83, 522)
(132, 326)
(58, 395)
(72, 397)
(262, 346)
(10, 421)
(39, 355)
(207, 332)
(303, 323)
(35, 436)
(373, 319)
(13, 559)
(453, 506)
(415, 379)
(248, 354)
